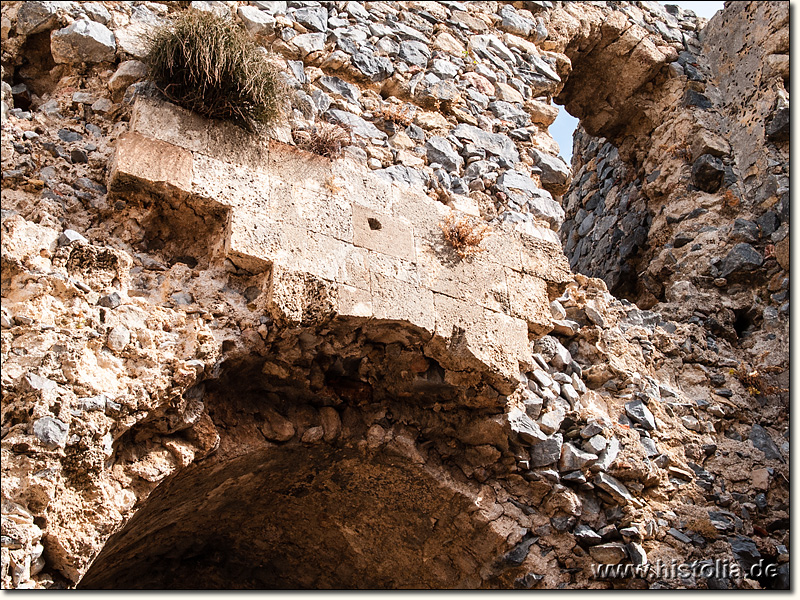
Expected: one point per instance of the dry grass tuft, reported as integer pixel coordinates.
(754, 382)
(704, 527)
(325, 139)
(465, 234)
(397, 114)
(209, 65)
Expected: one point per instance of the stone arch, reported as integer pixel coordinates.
(305, 517)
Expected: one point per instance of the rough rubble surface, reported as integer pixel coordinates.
(229, 363)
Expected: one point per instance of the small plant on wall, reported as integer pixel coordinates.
(207, 64)
(465, 234)
(325, 139)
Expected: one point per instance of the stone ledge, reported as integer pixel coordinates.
(340, 241)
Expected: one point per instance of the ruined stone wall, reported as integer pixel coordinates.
(228, 362)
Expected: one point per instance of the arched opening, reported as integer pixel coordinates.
(299, 517)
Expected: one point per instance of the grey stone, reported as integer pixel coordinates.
(509, 112)
(182, 298)
(34, 17)
(93, 403)
(78, 156)
(777, 128)
(69, 237)
(414, 52)
(595, 444)
(403, 174)
(573, 459)
(613, 487)
(762, 440)
(256, 22)
(111, 300)
(592, 429)
(586, 536)
(527, 581)
(359, 126)
(272, 7)
(551, 421)
(439, 150)
(649, 446)
(309, 42)
(357, 11)
(566, 327)
(96, 12)
(608, 554)
(708, 172)
(339, 87)
(690, 422)
(118, 338)
(680, 536)
(522, 425)
(495, 143)
(67, 135)
(215, 7)
(742, 258)
(542, 378)
(37, 383)
(638, 411)
(607, 456)
(511, 181)
(377, 68)
(51, 432)
(570, 394)
(532, 403)
(547, 452)
(555, 172)
(444, 68)
(314, 18)
(542, 205)
(519, 553)
(744, 231)
(574, 477)
(514, 23)
(557, 310)
(83, 41)
(637, 553)
(594, 316)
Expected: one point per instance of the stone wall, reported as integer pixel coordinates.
(230, 363)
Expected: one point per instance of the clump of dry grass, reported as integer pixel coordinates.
(207, 64)
(397, 114)
(465, 234)
(325, 139)
(754, 381)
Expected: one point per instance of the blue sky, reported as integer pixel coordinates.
(565, 123)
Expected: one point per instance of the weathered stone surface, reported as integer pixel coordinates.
(708, 173)
(51, 432)
(83, 41)
(742, 259)
(128, 72)
(498, 144)
(256, 21)
(762, 440)
(614, 487)
(556, 175)
(34, 17)
(608, 554)
(546, 452)
(574, 459)
(638, 411)
(441, 151)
